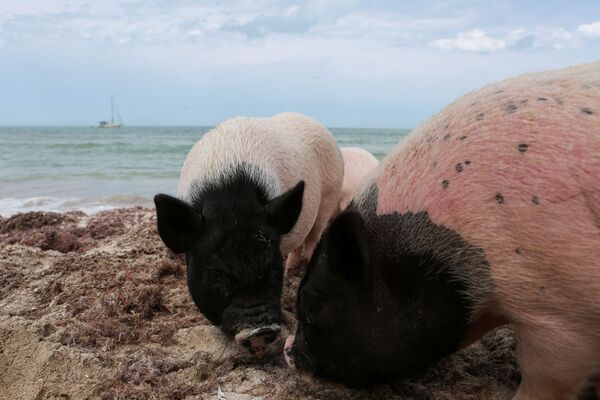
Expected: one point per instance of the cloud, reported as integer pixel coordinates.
(520, 40)
(388, 27)
(472, 41)
(592, 29)
(542, 38)
(155, 22)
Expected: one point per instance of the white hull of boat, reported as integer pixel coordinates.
(109, 125)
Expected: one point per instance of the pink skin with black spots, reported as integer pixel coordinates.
(513, 170)
(358, 164)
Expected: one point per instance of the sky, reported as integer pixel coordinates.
(379, 64)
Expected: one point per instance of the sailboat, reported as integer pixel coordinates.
(113, 110)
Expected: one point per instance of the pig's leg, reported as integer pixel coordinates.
(313, 237)
(295, 258)
(556, 361)
(302, 254)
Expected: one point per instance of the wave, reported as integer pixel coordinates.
(10, 206)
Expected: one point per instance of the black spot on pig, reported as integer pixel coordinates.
(499, 198)
(511, 109)
(434, 164)
(467, 162)
(542, 99)
(586, 110)
(463, 137)
(400, 303)
(446, 136)
(535, 200)
(518, 251)
(458, 167)
(445, 183)
(480, 116)
(522, 147)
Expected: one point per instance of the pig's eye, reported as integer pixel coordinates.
(261, 240)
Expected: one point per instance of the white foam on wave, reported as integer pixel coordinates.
(10, 206)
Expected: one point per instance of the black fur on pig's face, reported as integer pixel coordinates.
(230, 237)
(369, 314)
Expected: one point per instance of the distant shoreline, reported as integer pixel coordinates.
(191, 126)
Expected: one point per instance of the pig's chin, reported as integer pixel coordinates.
(308, 377)
(316, 376)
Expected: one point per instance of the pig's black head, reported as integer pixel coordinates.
(230, 236)
(368, 311)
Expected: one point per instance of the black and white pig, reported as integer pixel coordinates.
(488, 213)
(251, 191)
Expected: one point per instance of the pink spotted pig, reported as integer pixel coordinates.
(488, 213)
(358, 163)
(251, 191)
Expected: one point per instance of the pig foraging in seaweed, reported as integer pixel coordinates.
(488, 213)
(251, 191)
(358, 163)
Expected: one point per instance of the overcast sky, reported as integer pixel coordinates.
(347, 63)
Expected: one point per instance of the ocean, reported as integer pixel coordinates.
(92, 169)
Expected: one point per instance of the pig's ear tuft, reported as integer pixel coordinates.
(178, 223)
(283, 211)
(348, 246)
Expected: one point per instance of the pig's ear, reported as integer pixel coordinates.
(178, 223)
(283, 211)
(348, 247)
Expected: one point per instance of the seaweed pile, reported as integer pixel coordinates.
(97, 307)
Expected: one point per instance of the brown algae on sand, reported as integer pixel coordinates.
(97, 307)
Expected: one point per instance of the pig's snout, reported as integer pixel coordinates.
(288, 353)
(257, 340)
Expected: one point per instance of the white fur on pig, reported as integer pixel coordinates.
(286, 148)
(358, 163)
(514, 168)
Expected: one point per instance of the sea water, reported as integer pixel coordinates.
(92, 169)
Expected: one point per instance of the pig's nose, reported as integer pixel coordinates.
(257, 340)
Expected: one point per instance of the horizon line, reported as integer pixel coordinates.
(178, 126)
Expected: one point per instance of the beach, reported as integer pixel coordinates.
(96, 307)
(93, 305)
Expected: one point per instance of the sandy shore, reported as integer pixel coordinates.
(96, 307)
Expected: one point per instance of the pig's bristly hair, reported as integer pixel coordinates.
(239, 180)
(235, 146)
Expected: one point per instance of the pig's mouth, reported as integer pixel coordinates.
(301, 363)
(319, 372)
(258, 340)
(255, 329)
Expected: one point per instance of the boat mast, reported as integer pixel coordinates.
(112, 110)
